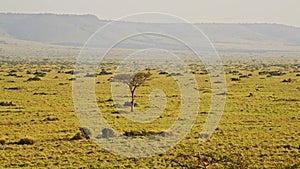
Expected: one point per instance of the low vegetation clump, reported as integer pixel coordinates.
(6, 103)
(2, 141)
(25, 141)
(39, 74)
(107, 133)
(142, 133)
(77, 136)
(35, 78)
(104, 72)
(84, 133)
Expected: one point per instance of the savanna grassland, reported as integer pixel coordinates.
(259, 127)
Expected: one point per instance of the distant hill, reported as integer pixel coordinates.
(74, 30)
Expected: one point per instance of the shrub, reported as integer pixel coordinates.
(104, 72)
(39, 74)
(2, 141)
(287, 80)
(13, 88)
(83, 134)
(25, 141)
(7, 104)
(144, 133)
(90, 75)
(35, 78)
(107, 133)
(72, 79)
(78, 136)
(86, 133)
(129, 104)
(163, 73)
(235, 79)
(71, 72)
(51, 119)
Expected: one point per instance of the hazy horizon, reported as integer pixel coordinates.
(204, 11)
(105, 19)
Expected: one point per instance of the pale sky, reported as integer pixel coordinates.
(224, 11)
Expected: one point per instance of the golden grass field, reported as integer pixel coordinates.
(257, 130)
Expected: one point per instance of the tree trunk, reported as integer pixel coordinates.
(132, 101)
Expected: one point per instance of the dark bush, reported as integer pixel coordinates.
(70, 72)
(90, 75)
(77, 136)
(13, 71)
(51, 119)
(7, 104)
(107, 133)
(250, 95)
(129, 104)
(71, 79)
(235, 72)
(163, 73)
(2, 142)
(11, 74)
(176, 74)
(39, 93)
(110, 100)
(86, 133)
(287, 80)
(144, 133)
(243, 76)
(104, 72)
(34, 79)
(25, 141)
(235, 79)
(13, 88)
(39, 74)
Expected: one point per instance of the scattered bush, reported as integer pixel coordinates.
(78, 136)
(51, 119)
(175, 74)
(104, 72)
(2, 142)
(110, 100)
(39, 74)
(7, 104)
(72, 79)
(13, 88)
(163, 73)
(243, 76)
(271, 73)
(13, 71)
(86, 133)
(71, 72)
(41, 93)
(34, 79)
(250, 95)
(287, 80)
(25, 141)
(234, 72)
(129, 104)
(83, 134)
(107, 133)
(235, 79)
(90, 75)
(11, 74)
(144, 133)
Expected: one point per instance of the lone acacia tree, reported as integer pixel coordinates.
(133, 82)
